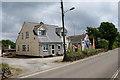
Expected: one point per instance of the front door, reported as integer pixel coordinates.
(52, 49)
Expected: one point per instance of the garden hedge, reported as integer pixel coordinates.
(73, 56)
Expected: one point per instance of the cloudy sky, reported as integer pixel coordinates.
(90, 14)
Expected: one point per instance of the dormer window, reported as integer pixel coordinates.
(64, 33)
(42, 32)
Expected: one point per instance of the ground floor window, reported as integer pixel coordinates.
(45, 47)
(27, 47)
(18, 48)
(23, 47)
(59, 46)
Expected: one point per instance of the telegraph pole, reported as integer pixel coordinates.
(63, 30)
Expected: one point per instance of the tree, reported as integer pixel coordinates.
(93, 33)
(109, 32)
(6, 43)
(103, 43)
(116, 43)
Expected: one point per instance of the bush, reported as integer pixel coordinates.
(74, 53)
(72, 56)
(116, 44)
(82, 52)
(103, 43)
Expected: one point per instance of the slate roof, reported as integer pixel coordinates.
(76, 38)
(51, 35)
(59, 29)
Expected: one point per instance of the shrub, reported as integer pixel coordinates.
(116, 44)
(74, 53)
(103, 43)
(82, 52)
(72, 56)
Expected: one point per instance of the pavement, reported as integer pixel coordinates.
(100, 66)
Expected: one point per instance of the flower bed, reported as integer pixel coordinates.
(73, 56)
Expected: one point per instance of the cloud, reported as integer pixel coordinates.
(85, 14)
(91, 14)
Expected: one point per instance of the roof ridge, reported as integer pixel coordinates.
(44, 24)
(33, 22)
(76, 35)
(51, 25)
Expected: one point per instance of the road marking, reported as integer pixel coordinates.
(64, 65)
(116, 74)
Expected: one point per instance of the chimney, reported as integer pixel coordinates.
(41, 23)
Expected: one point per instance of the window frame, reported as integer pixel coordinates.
(42, 32)
(59, 47)
(45, 47)
(23, 47)
(22, 36)
(27, 35)
(18, 48)
(28, 47)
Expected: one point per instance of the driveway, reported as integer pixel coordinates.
(31, 65)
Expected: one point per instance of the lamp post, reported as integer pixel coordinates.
(64, 27)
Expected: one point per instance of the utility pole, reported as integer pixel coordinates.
(63, 30)
(74, 29)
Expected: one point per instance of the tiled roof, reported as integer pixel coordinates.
(76, 38)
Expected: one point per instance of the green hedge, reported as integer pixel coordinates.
(72, 56)
(82, 52)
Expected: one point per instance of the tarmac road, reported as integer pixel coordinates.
(100, 66)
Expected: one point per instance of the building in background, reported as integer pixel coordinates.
(78, 43)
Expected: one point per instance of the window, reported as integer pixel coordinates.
(63, 34)
(28, 48)
(27, 35)
(45, 47)
(42, 32)
(22, 36)
(59, 47)
(18, 48)
(53, 47)
(23, 47)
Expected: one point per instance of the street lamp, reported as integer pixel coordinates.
(63, 12)
(69, 9)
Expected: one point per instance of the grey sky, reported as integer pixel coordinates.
(85, 14)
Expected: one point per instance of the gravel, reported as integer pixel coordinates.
(32, 65)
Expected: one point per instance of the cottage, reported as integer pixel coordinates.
(78, 42)
(39, 39)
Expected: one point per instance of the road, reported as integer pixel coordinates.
(100, 66)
